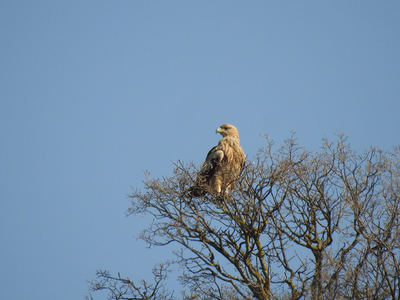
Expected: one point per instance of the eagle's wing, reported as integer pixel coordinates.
(214, 157)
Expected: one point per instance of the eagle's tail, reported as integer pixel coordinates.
(196, 191)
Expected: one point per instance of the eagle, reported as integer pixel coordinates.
(222, 166)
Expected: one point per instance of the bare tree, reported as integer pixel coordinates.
(120, 288)
(299, 224)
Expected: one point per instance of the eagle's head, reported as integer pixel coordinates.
(228, 130)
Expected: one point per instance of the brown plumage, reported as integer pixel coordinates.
(222, 166)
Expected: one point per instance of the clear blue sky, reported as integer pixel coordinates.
(93, 93)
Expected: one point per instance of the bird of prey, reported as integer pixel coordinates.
(222, 166)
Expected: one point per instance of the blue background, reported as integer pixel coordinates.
(93, 93)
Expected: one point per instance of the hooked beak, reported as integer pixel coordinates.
(219, 130)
